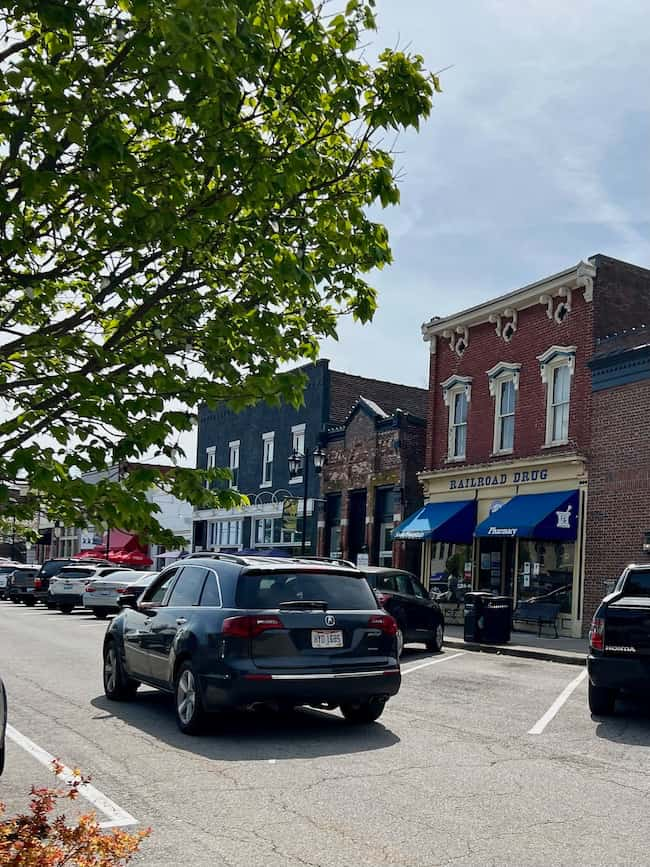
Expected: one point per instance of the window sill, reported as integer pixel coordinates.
(501, 453)
(296, 480)
(457, 460)
(555, 444)
(266, 484)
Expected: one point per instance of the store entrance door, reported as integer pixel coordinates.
(497, 566)
(357, 524)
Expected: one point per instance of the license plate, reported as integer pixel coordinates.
(67, 586)
(326, 638)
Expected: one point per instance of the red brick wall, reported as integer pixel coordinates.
(618, 511)
(535, 334)
(622, 296)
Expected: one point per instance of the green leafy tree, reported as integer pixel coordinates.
(186, 186)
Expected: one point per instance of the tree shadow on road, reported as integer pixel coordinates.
(245, 736)
(630, 724)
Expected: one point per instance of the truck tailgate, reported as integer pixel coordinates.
(627, 626)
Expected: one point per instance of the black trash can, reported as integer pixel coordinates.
(474, 605)
(496, 620)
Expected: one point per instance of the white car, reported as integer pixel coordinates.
(6, 568)
(102, 595)
(67, 587)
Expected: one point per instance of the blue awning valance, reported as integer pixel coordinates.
(442, 522)
(552, 516)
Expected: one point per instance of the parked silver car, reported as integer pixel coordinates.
(101, 596)
(66, 589)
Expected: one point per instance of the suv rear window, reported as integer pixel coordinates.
(71, 572)
(339, 591)
(53, 567)
(637, 583)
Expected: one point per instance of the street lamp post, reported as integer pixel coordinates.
(298, 462)
(57, 531)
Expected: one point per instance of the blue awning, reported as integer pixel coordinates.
(443, 522)
(552, 516)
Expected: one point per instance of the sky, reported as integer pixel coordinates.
(535, 156)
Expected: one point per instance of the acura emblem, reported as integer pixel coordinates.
(330, 620)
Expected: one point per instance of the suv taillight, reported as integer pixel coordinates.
(384, 622)
(250, 625)
(37, 583)
(597, 634)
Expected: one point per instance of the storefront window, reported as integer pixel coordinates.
(451, 571)
(333, 524)
(385, 522)
(545, 572)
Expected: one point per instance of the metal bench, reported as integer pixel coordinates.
(541, 613)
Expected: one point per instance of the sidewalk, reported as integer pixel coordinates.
(570, 651)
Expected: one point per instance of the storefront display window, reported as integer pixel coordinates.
(545, 572)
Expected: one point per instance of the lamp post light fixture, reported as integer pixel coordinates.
(298, 462)
(57, 532)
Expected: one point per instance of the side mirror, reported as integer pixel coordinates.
(128, 600)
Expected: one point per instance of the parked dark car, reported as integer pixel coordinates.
(52, 567)
(6, 568)
(3, 724)
(21, 586)
(619, 641)
(224, 631)
(418, 617)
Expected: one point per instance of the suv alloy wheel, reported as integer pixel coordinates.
(190, 715)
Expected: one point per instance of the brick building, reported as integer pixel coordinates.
(619, 467)
(370, 480)
(509, 430)
(256, 444)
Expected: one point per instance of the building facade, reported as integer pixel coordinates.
(619, 467)
(370, 483)
(519, 465)
(256, 445)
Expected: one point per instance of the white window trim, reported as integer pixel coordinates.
(298, 429)
(502, 372)
(269, 436)
(234, 444)
(554, 357)
(450, 388)
(210, 461)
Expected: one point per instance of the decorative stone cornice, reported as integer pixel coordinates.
(495, 311)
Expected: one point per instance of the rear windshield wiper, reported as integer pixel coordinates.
(304, 603)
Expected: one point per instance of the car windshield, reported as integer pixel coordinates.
(336, 590)
(52, 568)
(146, 579)
(637, 583)
(71, 572)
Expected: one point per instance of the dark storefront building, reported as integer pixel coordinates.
(257, 443)
(370, 480)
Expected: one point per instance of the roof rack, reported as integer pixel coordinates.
(217, 555)
(335, 561)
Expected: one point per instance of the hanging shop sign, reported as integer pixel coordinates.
(289, 515)
(495, 480)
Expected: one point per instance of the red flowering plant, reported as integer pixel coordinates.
(39, 839)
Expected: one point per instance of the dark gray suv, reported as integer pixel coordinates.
(223, 631)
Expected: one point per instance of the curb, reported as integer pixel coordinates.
(564, 656)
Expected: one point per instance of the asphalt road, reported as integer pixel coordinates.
(449, 775)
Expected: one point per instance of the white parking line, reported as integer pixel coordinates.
(541, 724)
(433, 662)
(117, 817)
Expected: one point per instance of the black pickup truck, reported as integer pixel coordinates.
(619, 641)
